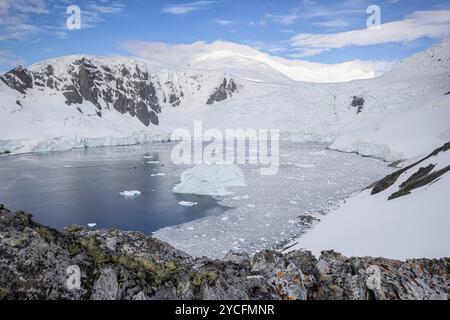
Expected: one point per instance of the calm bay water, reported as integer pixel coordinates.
(83, 186)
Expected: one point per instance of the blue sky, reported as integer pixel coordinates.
(329, 31)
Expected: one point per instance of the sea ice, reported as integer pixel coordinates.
(92, 225)
(268, 212)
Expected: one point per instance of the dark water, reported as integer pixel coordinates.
(88, 190)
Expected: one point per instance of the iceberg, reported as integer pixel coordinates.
(210, 180)
(129, 194)
(161, 174)
(188, 204)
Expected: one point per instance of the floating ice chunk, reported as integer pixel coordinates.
(67, 166)
(251, 205)
(129, 194)
(210, 180)
(92, 225)
(188, 204)
(148, 157)
(161, 174)
(152, 162)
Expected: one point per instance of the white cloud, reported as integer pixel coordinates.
(103, 9)
(224, 23)
(94, 13)
(14, 18)
(21, 19)
(261, 23)
(287, 19)
(336, 23)
(421, 24)
(215, 53)
(184, 8)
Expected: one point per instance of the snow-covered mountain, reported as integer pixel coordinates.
(82, 101)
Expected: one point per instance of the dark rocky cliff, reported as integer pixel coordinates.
(40, 263)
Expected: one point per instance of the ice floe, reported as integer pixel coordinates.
(211, 180)
(188, 204)
(161, 174)
(130, 194)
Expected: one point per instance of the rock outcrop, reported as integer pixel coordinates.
(420, 177)
(37, 262)
(223, 92)
(19, 79)
(358, 102)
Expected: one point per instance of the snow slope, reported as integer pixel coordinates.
(411, 226)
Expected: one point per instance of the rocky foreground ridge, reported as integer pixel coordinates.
(37, 262)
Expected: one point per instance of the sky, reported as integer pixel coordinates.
(328, 31)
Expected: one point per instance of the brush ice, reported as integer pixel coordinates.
(273, 215)
(211, 180)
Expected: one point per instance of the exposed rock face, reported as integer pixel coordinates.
(422, 177)
(225, 90)
(125, 86)
(127, 91)
(358, 102)
(19, 79)
(39, 263)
